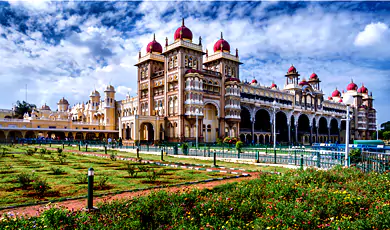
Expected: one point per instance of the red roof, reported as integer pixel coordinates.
(221, 45)
(330, 98)
(292, 69)
(274, 85)
(336, 93)
(363, 89)
(183, 33)
(254, 81)
(341, 100)
(313, 76)
(154, 46)
(352, 86)
(303, 82)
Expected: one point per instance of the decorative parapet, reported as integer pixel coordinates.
(151, 56)
(185, 44)
(219, 55)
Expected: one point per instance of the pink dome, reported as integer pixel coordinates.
(303, 83)
(254, 81)
(341, 100)
(274, 85)
(221, 45)
(352, 86)
(183, 33)
(154, 46)
(363, 89)
(292, 69)
(330, 98)
(336, 93)
(313, 76)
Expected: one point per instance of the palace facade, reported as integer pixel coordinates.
(184, 92)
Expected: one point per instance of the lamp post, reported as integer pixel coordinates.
(274, 106)
(347, 119)
(377, 132)
(196, 115)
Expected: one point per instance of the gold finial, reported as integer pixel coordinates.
(154, 37)
(182, 22)
(236, 52)
(221, 35)
(166, 41)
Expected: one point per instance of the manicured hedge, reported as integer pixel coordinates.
(299, 199)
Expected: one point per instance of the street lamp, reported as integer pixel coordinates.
(274, 106)
(377, 132)
(347, 119)
(196, 115)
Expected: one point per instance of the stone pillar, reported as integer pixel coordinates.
(311, 135)
(120, 128)
(317, 134)
(289, 133)
(338, 136)
(296, 132)
(253, 129)
(328, 133)
(84, 135)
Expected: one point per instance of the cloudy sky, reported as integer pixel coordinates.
(69, 48)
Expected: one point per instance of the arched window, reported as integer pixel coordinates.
(175, 61)
(190, 62)
(171, 63)
(195, 64)
(186, 61)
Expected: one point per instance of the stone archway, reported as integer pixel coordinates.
(79, 136)
(334, 129)
(14, 135)
(90, 136)
(2, 136)
(303, 128)
(210, 120)
(281, 128)
(245, 124)
(262, 121)
(30, 134)
(322, 126)
(146, 132)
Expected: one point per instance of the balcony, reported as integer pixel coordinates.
(13, 120)
(186, 44)
(210, 72)
(361, 115)
(232, 117)
(219, 55)
(232, 107)
(151, 56)
(193, 102)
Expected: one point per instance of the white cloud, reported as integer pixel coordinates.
(372, 34)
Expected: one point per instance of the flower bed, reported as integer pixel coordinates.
(310, 199)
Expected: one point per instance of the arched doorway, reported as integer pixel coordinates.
(334, 129)
(13, 135)
(242, 137)
(210, 120)
(281, 128)
(30, 134)
(245, 124)
(262, 121)
(147, 132)
(55, 135)
(79, 136)
(101, 136)
(2, 136)
(90, 136)
(292, 131)
(303, 128)
(323, 126)
(261, 139)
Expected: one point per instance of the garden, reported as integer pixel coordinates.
(340, 198)
(29, 174)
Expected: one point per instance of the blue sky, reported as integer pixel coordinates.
(69, 48)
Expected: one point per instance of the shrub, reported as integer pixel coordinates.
(59, 151)
(152, 175)
(29, 152)
(239, 146)
(143, 168)
(355, 155)
(82, 178)
(25, 179)
(102, 181)
(61, 159)
(40, 186)
(43, 151)
(131, 169)
(113, 156)
(57, 171)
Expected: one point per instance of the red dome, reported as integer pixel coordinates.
(303, 83)
(274, 85)
(352, 86)
(341, 100)
(330, 98)
(336, 93)
(292, 69)
(254, 81)
(154, 46)
(313, 76)
(221, 45)
(183, 33)
(363, 89)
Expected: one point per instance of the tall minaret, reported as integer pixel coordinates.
(109, 107)
(93, 104)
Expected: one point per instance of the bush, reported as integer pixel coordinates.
(102, 181)
(43, 151)
(113, 156)
(239, 146)
(131, 169)
(25, 179)
(355, 155)
(152, 175)
(29, 152)
(61, 159)
(82, 178)
(57, 171)
(40, 186)
(143, 168)
(59, 151)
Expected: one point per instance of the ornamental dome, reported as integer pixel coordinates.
(273, 85)
(45, 107)
(95, 93)
(154, 46)
(109, 88)
(183, 33)
(292, 69)
(352, 86)
(254, 81)
(336, 93)
(303, 82)
(363, 89)
(341, 100)
(222, 45)
(63, 101)
(233, 79)
(313, 76)
(330, 98)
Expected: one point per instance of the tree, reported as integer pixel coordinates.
(21, 108)
(386, 135)
(385, 126)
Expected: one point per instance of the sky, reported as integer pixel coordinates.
(67, 49)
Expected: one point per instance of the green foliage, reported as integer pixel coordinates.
(59, 151)
(102, 181)
(113, 156)
(386, 135)
(40, 186)
(82, 178)
(239, 146)
(143, 168)
(131, 169)
(355, 155)
(219, 141)
(385, 126)
(340, 198)
(152, 175)
(57, 171)
(29, 152)
(25, 179)
(21, 108)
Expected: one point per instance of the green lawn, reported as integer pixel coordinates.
(69, 182)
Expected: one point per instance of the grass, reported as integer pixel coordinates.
(63, 178)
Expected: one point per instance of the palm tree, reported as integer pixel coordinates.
(21, 108)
